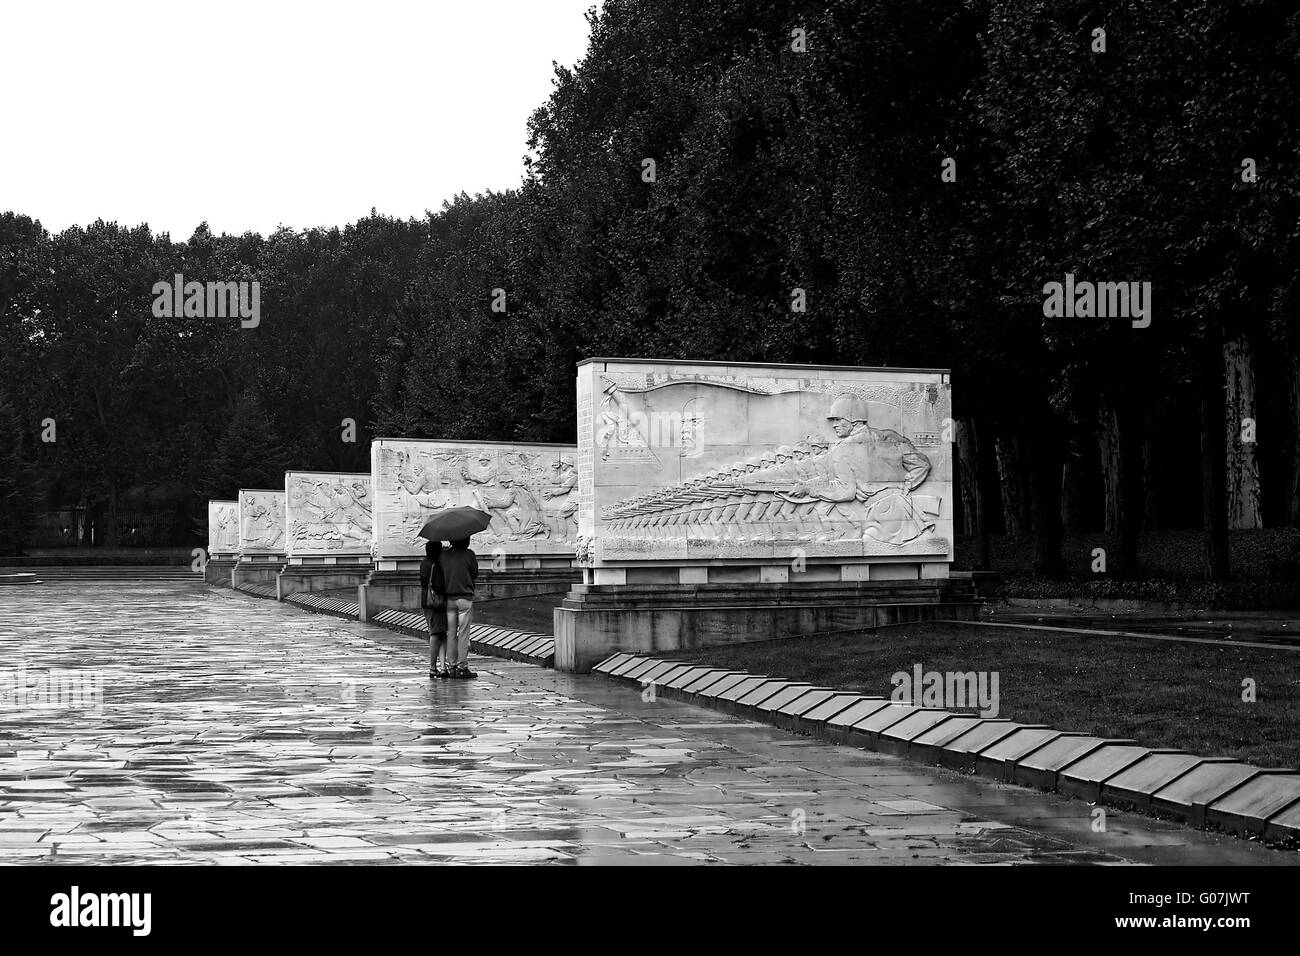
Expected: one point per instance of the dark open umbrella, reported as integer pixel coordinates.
(451, 524)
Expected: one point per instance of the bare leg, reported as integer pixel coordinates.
(436, 640)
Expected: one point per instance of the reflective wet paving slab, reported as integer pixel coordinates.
(171, 723)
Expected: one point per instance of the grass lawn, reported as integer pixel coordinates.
(531, 613)
(1159, 693)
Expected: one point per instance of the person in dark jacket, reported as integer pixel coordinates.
(433, 601)
(459, 574)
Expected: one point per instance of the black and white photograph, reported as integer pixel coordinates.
(692, 433)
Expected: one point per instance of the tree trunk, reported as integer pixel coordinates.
(1292, 485)
(967, 477)
(1242, 469)
(1214, 512)
(1119, 456)
(1071, 517)
(1045, 486)
(87, 537)
(1014, 482)
(1150, 472)
(972, 491)
(1130, 530)
(1112, 469)
(110, 520)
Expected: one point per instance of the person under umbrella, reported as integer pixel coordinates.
(433, 601)
(459, 571)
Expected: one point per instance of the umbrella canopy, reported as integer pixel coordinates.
(451, 524)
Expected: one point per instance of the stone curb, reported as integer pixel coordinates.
(324, 604)
(516, 645)
(258, 590)
(527, 646)
(1236, 797)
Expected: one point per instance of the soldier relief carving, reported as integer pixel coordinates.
(856, 482)
(531, 495)
(223, 528)
(262, 521)
(329, 513)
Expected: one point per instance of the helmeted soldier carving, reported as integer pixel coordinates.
(858, 486)
(876, 467)
(561, 502)
(501, 490)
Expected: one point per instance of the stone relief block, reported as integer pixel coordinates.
(328, 514)
(223, 527)
(261, 522)
(531, 491)
(724, 461)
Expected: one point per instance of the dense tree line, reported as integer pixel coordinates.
(696, 168)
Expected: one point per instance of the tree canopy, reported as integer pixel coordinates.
(913, 171)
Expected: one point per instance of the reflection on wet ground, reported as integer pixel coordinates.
(233, 730)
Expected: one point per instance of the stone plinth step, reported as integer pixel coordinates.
(1001, 758)
(491, 639)
(866, 732)
(1190, 794)
(527, 646)
(962, 752)
(1247, 809)
(104, 574)
(897, 739)
(1041, 767)
(811, 720)
(928, 744)
(1084, 778)
(1136, 783)
(325, 603)
(258, 590)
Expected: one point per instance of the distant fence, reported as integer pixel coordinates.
(136, 528)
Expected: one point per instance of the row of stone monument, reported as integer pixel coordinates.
(702, 503)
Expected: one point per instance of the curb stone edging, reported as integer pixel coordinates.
(493, 640)
(527, 646)
(324, 604)
(1218, 791)
(258, 590)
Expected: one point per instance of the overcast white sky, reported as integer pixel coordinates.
(254, 114)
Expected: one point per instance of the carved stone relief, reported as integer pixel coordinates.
(223, 527)
(529, 490)
(328, 514)
(701, 465)
(261, 522)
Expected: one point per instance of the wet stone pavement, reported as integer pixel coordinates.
(235, 730)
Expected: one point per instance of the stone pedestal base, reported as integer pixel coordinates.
(595, 621)
(260, 570)
(401, 588)
(217, 571)
(984, 582)
(298, 578)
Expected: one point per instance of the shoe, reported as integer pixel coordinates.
(462, 670)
